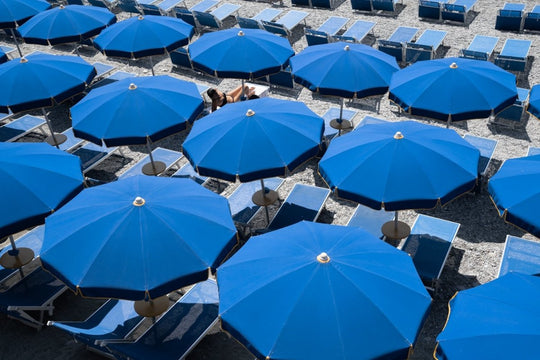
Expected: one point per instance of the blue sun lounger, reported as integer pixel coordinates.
(20, 127)
(510, 17)
(425, 47)
(304, 202)
(357, 32)
(430, 9)
(429, 244)
(5, 116)
(286, 24)
(533, 151)
(283, 78)
(215, 18)
(362, 5)
(166, 7)
(395, 45)
(385, 5)
(268, 14)
(520, 255)
(188, 14)
(187, 171)
(326, 32)
(102, 70)
(324, 4)
(480, 48)
(33, 239)
(513, 113)
(92, 155)
(370, 120)
(116, 76)
(148, 7)
(532, 19)
(331, 114)
(514, 54)
(35, 292)
(178, 330)
(487, 148)
(370, 219)
(457, 11)
(109, 4)
(169, 157)
(114, 320)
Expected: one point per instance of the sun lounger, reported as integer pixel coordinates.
(514, 55)
(395, 45)
(532, 19)
(35, 292)
(325, 33)
(533, 151)
(166, 6)
(385, 5)
(187, 171)
(480, 48)
(149, 7)
(180, 57)
(510, 17)
(33, 239)
(215, 18)
(429, 244)
(178, 330)
(169, 157)
(268, 14)
(362, 5)
(109, 4)
(357, 32)
(370, 120)
(370, 220)
(301, 3)
(520, 255)
(116, 76)
(20, 127)
(304, 202)
(486, 147)
(102, 70)
(325, 4)
(5, 116)
(331, 114)
(430, 9)
(71, 142)
(425, 47)
(7, 50)
(92, 155)
(286, 24)
(511, 116)
(283, 78)
(457, 11)
(114, 320)
(188, 14)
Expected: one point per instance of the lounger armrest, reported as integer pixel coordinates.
(420, 46)
(510, 13)
(315, 32)
(471, 54)
(388, 43)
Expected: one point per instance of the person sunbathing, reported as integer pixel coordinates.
(220, 98)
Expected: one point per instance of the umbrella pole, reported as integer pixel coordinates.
(153, 167)
(448, 121)
(243, 95)
(14, 248)
(152, 66)
(263, 189)
(16, 43)
(53, 139)
(340, 123)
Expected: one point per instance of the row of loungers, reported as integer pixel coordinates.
(514, 18)
(456, 11)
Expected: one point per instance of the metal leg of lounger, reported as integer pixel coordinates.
(54, 139)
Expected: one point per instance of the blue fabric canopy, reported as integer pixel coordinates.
(319, 291)
(344, 69)
(498, 320)
(141, 36)
(254, 139)
(42, 80)
(129, 111)
(136, 238)
(35, 180)
(514, 190)
(453, 89)
(400, 165)
(534, 101)
(15, 12)
(240, 53)
(64, 24)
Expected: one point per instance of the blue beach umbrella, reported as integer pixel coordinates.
(343, 69)
(141, 36)
(36, 179)
(136, 110)
(240, 53)
(138, 238)
(514, 191)
(453, 89)
(15, 12)
(64, 24)
(497, 321)
(533, 106)
(42, 80)
(319, 291)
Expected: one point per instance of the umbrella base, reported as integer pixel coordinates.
(340, 125)
(261, 198)
(393, 230)
(148, 169)
(153, 307)
(15, 259)
(56, 139)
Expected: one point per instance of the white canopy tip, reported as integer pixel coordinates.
(323, 258)
(398, 135)
(139, 201)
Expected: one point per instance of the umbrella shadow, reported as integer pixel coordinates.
(106, 171)
(511, 128)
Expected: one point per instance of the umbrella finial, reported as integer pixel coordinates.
(241, 33)
(132, 86)
(23, 60)
(62, 7)
(347, 48)
(453, 65)
(250, 112)
(140, 17)
(323, 258)
(398, 135)
(139, 201)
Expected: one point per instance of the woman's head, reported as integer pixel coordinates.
(214, 93)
